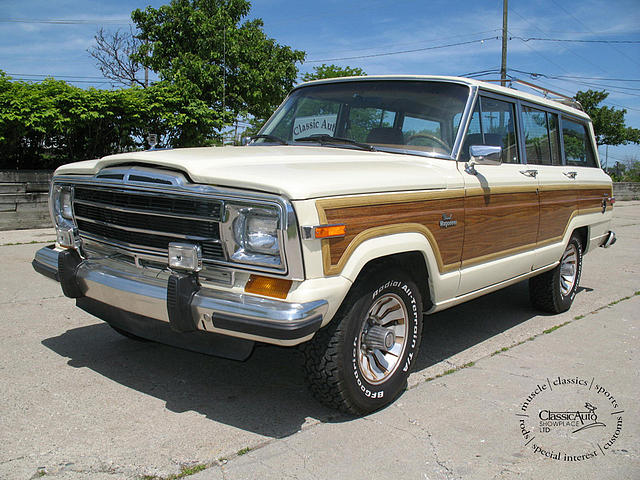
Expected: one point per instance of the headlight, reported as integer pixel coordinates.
(62, 215)
(257, 232)
(256, 235)
(61, 208)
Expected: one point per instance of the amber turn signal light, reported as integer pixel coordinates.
(329, 231)
(267, 286)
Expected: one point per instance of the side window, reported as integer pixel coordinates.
(577, 146)
(492, 123)
(541, 136)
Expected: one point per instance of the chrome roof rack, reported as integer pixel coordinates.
(547, 93)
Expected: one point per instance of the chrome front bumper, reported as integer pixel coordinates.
(208, 310)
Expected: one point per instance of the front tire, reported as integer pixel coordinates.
(360, 362)
(554, 291)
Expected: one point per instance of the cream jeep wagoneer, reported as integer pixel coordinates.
(364, 203)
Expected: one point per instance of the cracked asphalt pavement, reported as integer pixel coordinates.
(78, 401)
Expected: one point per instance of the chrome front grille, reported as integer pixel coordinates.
(146, 221)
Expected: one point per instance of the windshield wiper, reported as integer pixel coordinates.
(273, 138)
(324, 139)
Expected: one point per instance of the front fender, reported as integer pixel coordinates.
(441, 285)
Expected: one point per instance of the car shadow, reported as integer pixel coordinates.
(456, 329)
(267, 394)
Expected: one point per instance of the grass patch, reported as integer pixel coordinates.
(25, 243)
(451, 370)
(185, 472)
(244, 451)
(553, 329)
(503, 349)
(623, 299)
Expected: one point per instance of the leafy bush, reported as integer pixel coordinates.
(44, 125)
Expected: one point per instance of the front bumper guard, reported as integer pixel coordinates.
(182, 304)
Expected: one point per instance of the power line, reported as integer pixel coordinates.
(97, 21)
(572, 40)
(564, 47)
(599, 78)
(605, 101)
(481, 40)
(396, 45)
(52, 75)
(632, 60)
(93, 82)
(575, 79)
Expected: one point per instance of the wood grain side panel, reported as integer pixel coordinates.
(590, 199)
(421, 216)
(499, 223)
(557, 207)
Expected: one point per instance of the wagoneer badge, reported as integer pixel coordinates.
(447, 221)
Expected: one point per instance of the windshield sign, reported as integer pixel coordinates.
(314, 125)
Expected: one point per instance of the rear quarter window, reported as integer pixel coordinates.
(578, 150)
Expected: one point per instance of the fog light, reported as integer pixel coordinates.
(185, 256)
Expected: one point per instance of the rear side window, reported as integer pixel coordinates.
(541, 136)
(577, 144)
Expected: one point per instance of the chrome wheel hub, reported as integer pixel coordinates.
(382, 339)
(568, 269)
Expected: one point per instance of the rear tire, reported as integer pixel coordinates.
(360, 362)
(554, 291)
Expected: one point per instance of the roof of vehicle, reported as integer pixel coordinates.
(489, 87)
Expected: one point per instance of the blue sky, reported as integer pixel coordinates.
(371, 30)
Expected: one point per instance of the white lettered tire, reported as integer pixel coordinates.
(360, 362)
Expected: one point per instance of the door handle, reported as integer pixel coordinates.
(571, 175)
(529, 173)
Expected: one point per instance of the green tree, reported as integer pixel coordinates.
(46, 124)
(332, 71)
(207, 50)
(608, 122)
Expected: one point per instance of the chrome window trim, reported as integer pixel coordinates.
(291, 245)
(464, 122)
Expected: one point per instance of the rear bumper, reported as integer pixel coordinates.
(205, 309)
(609, 240)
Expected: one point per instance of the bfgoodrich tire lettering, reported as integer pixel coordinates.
(554, 291)
(361, 361)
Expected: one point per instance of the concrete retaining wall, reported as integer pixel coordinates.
(23, 199)
(626, 190)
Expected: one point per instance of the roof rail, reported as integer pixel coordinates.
(558, 97)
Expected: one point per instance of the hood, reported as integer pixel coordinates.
(297, 172)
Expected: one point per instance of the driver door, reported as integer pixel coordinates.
(501, 201)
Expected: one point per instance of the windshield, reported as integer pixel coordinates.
(392, 115)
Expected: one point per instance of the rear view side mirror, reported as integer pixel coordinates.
(485, 154)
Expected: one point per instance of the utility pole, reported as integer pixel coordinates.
(503, 67)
